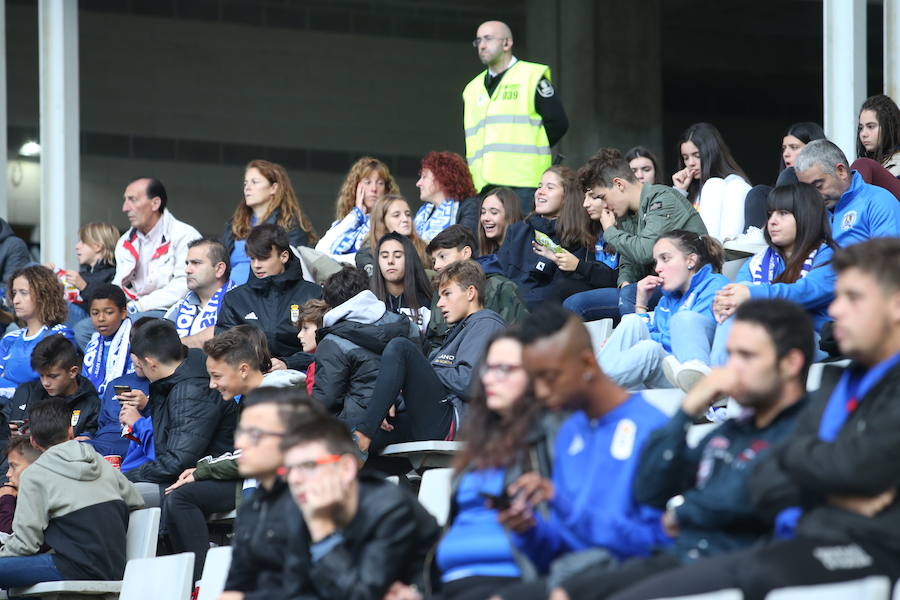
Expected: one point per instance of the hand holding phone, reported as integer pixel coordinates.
(501, 502)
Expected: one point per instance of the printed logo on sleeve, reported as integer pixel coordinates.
(623, 440)
(545, 89)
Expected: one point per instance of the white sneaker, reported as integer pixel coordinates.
(671, 367)
(690, 373)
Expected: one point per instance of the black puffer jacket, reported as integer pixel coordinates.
(266, 303)
(189, 421)
(85, 400)
(266, 524)
(386, 541)
(861, 461)
(348, 354)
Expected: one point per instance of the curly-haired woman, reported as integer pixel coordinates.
(445, 188)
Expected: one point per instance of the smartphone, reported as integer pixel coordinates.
(17, 423)
(122, 389)
(497, 502)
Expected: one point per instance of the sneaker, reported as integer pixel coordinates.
(671, 367)
(690, 373)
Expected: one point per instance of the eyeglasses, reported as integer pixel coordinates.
(254, 435)
(308, 466)
(486, 39)
(501, 371)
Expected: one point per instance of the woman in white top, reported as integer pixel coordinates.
(712, 180)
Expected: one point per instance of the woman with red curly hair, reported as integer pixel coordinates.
(445, 188)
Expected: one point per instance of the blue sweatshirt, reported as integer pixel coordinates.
(864, 212)
(699, 298)
(15, 356)
(108, 439)
(593, 474)
(814, 292)
(476, 544)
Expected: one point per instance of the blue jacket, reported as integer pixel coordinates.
(108, 439)
(699, 298)
(864, 212)
(538, 278)
(717, 515)
(593, 473)
(814, 292)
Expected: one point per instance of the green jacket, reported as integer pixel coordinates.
(501, 295)
(222, 468)
(662, 210)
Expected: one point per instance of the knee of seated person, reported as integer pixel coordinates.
(689, 318)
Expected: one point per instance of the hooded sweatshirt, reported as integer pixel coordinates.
(348, 355)
(78, 504)
(453, 362)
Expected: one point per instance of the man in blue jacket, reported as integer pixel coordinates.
(769, 352)
(591, 505)
(860, 211)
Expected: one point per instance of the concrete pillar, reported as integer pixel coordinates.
(844, 68)
(892, 49)
(606, 61)
(60, 161)
(4, 200)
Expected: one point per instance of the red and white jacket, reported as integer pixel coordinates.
(166, 272)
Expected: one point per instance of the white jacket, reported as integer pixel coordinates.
(166, 271)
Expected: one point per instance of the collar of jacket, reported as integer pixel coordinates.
(293, 273)
(542, 224)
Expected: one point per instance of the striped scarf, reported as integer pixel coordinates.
(431, 220)
(767, 265)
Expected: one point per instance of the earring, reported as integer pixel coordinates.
(690, 267)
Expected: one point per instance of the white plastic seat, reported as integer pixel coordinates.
(599, 330)
(434, 493)
(876, 587)
(224, 517)
(729, 594)
(215, 573)
(731, 268)
(668, 400)
(140, 542)
(168, 577)
(426, 454)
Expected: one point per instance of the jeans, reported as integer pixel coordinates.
(607, 303)
(691, 334)
(719, 354)
(22, 571)
(152, 493)
(631, 358)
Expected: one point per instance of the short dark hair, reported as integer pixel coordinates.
(319, 427)
(456, 236)
(137, 325)
(546, 320)
(343, 285)
(605, 165)
(22, 445)
(108, 291)
(465, 273)
(155, 189)
(264, 237)
(876, 257)
(788, 325)
(55, 351)
(49, 422)
(215, 251)
(241, 344)
(159, 339)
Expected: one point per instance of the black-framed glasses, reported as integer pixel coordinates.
(254, 434)
(486, 39)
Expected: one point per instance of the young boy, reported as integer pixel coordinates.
(19, 455)
(501, 294)
(107, 354)
(58, 363)
(312, 314)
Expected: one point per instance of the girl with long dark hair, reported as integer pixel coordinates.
(712, 180)
(879, 132)
(400, 280)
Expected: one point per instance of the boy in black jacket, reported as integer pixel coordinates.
(831, 488)
(58, 363)
(362, 533)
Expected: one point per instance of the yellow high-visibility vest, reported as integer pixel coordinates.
(505, 139)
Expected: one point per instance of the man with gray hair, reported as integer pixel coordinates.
(859, 211)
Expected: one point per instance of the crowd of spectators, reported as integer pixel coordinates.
(266, 370)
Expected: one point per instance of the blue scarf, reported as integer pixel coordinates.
(107, 358)
(847, 395)
(189, 319)
(431, 220)
(768, 265)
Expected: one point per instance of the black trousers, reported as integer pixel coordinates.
(405, 369)
(596, 585)
(763, 568)
(187, 509)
